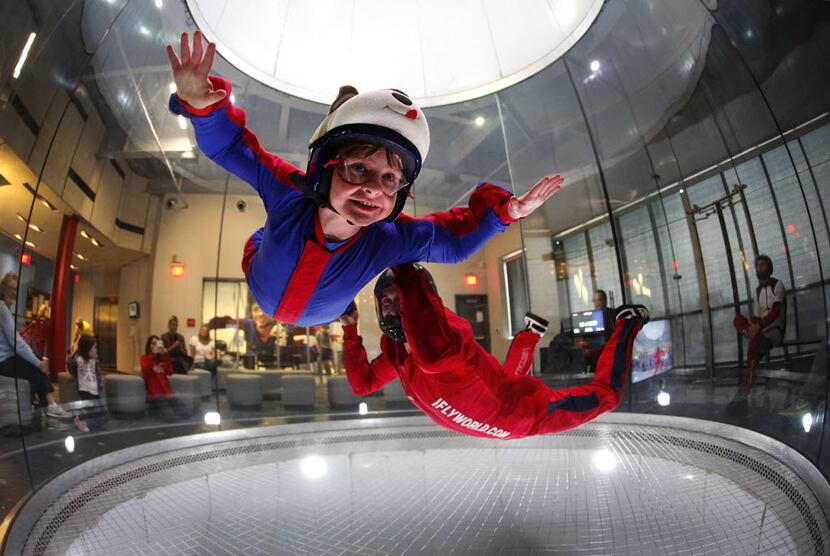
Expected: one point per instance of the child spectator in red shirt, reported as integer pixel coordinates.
(156, 366)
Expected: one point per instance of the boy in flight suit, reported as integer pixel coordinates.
(332, 229)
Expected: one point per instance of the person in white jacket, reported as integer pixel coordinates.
(16, 357)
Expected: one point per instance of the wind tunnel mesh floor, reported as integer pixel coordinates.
(599, 489)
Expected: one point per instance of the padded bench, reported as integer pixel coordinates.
(298, 391)
(244, 390)
(187, 389)
(205, 382)
(126, 394)
(341, 394)
(8, 401)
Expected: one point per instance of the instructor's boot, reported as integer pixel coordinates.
(536, 324)
(633, 312)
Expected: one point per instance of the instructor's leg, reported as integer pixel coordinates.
(520, 356)
(571, 407)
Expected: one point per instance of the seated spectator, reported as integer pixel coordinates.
(203, 350)
(82, 328)
(176, 347)
(16, 357)
(765, 329)
(83, 365)
(156, 366)
(600, 299)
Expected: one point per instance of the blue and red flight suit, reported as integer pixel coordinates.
(293, 273)
(462, 387)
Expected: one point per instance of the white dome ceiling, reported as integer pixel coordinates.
(437, 51)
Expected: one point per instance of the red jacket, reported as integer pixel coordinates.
(155, 370)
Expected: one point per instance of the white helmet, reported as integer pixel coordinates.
(386, 118)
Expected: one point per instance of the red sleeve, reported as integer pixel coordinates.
(771, 316)
(364, 377)
(460, 221)
(146, 367)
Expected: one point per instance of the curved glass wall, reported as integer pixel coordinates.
(693, 136)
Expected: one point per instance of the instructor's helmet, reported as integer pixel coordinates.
(390, 323)
(387, 118)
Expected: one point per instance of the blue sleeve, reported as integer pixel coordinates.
(453, 236)
(223, 137)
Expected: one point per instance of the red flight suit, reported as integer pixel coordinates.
(460, 386)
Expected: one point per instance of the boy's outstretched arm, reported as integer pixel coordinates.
(364, 377)
(458, 233)
(220, 126)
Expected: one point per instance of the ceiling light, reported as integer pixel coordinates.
(23, 55)
(80, 256)
(144, 31)
(21, 217)
(95, 242)
(30, 244)
(73, 267)
(594, 65)
(159, 4)
(663, 399)
(19, 237)
(182, 122)
(84, 234)
(172, 87)
(47, 204)
(479, 121)
(212, 418)
(36, 228)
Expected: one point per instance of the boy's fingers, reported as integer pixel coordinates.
(197, 48)
(174, 60)
(185, 49)
(207, 63)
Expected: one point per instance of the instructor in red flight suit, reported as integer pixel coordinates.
(458, 384)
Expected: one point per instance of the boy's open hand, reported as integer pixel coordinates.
(191, 72)
(523, 205)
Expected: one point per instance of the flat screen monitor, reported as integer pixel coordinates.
(588, 322)
(652, 353)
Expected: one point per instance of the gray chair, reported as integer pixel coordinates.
(221, 374)
(244, 390)
(205, 382)
(67, 388)
(8, 401)
(393, 394)
(187, 389)
(271, 383)
(126, 394)
(341, 394)
(298, 391)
